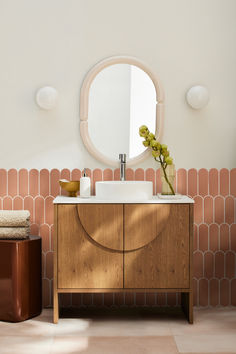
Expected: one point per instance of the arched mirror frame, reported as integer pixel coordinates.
(84, 102)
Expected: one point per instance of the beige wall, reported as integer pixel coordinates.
(55, 42)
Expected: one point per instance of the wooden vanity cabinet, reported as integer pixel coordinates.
(157, 244)
(124, 247)
(83, 261)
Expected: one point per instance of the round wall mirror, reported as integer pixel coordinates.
(117, 97)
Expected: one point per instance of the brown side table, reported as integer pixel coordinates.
(20, 279)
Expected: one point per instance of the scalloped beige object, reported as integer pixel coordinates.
(84, 102)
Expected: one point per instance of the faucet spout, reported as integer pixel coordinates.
(122, 158)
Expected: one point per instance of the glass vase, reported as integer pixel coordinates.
(170, 173)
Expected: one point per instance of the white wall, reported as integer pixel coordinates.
(55, 42)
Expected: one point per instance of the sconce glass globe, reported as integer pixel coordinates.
(197, 97)
(46, 97)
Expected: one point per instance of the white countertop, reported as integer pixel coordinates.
(183, 199)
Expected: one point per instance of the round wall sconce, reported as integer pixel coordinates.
(46, 97)
(197, 97)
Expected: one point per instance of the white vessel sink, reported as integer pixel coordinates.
(124, 190)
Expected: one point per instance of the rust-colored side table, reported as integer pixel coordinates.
(20, 279)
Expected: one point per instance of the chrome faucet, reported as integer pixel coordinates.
(122, 158)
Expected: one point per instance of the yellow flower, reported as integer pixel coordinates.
(150, 137)
(169, 160)
(155, 144)
(164, 147)
(155, 153)
(165, 153)
(143, 131)
(146, 143)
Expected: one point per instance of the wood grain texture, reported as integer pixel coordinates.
(103, 223)
(81, 264)
(124, 248)
(121, 290)
(55, 292)
(187, 305)
(187, 299)
(163, 263)
(143, 223)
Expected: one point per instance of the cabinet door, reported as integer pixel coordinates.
(156, 243)
(90, 246)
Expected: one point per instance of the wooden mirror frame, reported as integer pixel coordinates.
(84, 102)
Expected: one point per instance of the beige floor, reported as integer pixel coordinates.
(121, 332)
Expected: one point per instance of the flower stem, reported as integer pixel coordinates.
(166, 178)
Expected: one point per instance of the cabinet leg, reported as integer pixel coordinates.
(187, 305)
(55, 307)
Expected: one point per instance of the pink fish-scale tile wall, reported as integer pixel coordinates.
(214, 193)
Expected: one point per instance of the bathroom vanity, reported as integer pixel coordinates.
(109, 246)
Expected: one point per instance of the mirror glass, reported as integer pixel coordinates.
(122, 97)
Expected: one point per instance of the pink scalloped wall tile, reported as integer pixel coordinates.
(116, 174)
(7, 203)
(233, 237)
(107, 174)
(214, 292)
(44, 232)
(233, 292)
(39, 210)
(158, 181)
(97, 176)
(203, 184)
(233, 182)
(12, 182)
(224, 292)
(198, 209)
(203, 292)
(195, 237)
(182, 181)
(150, 176)
(44, 183)
(208, 210)
(224, 237)
(214, 192)
(219, 209)
(130, 174)
(3, 182)
(46, 292)
(49, 210)
(139, 174)
(219, 264)
(75, 174)
(213, 182)
(33, 182)
(54, 182)
(229, 210)
(224, 181)
(23, 176)
(49, 265)
(208, 265)
(192, 182)
(214, 237)
(17, 203)
(203, 237)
